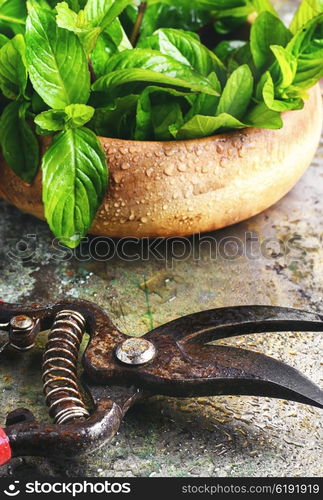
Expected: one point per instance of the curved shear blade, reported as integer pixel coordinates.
(212, 370)
(227, 322)
(241, 372)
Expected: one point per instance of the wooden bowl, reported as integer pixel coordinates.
(179, 188)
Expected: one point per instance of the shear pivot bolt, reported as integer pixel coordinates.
(22, 323)
(135, 351)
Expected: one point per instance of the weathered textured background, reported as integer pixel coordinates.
(222, 436)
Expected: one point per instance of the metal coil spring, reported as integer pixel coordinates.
(61, 388)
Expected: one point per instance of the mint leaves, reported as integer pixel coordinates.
(69, 70)
(237, 93)
(74, 183)
(18, 141)
(89, 23)
(145, 65)
(74, 167)
(267, 30)
(12, 16)
(57, 65)
(13, 71)
(72, 116)
(187, 49)
(306, 11)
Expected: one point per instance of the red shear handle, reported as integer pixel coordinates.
(5, 450)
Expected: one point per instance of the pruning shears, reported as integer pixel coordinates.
(175, 359)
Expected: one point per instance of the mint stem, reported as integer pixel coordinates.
(138, 23)
(91, 69)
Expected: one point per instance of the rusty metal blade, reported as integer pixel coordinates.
(227, 322)
(234, 371)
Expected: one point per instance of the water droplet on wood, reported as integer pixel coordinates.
(169, 170)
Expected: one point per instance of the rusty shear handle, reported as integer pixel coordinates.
(61, 388)
(74, 431)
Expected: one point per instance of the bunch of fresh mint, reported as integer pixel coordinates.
(139, 70)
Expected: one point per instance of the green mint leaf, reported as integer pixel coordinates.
(228, 14)
(157, 109)
(262, 6)
(240, 57)
(19, 144)
(75, 5)
(56, 61)
(271, 100)
(115, 120)
(165, 117)
(78, 115)
(228, 19)
(116, 79)
(118, 36)
(183, 16)
(186, 49)
(13, 15)
(13, 72)
(263, 117)
(110, 42)
(89, 23)
(307, 39)
(241, 9)
(237, 93)
(89, 38)
(143, 65)
(3, 40)
(284, 71)
(73, 116)
(225, 49)
(267, 30)
(305, 12)
(204, 104)
(74, 183)
(51, 121)
(103, 12)
(203, 4)
(37, 104)
(76, 22)
(309, 70)
(307, 47)
(45, 4)
(68, 19)
(202, 126)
